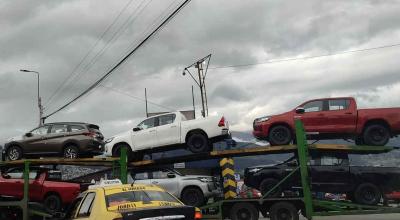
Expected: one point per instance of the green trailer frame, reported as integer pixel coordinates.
(305, 204)
(116, 163)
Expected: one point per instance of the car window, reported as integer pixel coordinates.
(141, 176)
(20, 175)
(87, 204)
(160, 175)
(58, 128)
(330, 161)
(338, 104)
(41, 130)
(136, 196)
(314, 106)
(148, 123)
(76, 128)
(167, 119)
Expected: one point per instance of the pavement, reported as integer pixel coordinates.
(355, 217)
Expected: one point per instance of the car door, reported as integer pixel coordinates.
(313, 117)
(167, 182)
(341, 118)
(36, 142)
(330, 173)
(86, 205)
(145, 138)
(168, 130)
(13, 183)
(55, 138)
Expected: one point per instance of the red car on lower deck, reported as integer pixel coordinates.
(45, 186)
(331, 118)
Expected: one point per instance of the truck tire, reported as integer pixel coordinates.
(367, 194)
(193, 196)
(71, 152)
(267, 184)
(197, 143)
(376, 135)
(14, 153)
(244, 211)
(279, 135)
(283, 211)
(52, 203)
(116, 152)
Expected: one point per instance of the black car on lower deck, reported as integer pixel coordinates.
(66, 139)
(329, 172)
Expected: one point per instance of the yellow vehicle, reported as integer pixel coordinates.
(111, 200)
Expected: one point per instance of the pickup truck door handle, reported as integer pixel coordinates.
(173, 126)
(152, 131)
(349, 113)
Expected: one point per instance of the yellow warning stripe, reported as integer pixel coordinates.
(228, 171)
(230, 194)
(226, 161)
(229, 183)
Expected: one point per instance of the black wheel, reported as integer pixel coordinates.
(197, 143)
(14, 153)
(193, 197)
(367, 194)
(280, 135)
(283, 211)
(71, 152)
(376, 135)
(267, 184)
(52, 203)
(244, 211)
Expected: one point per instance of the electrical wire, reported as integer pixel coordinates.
(73, 73)
(137, 98)
(94, 85)
(305, 58)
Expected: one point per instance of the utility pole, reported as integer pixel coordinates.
(202, 73)
(41, 118)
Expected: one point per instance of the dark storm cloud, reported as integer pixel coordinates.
(53, 36)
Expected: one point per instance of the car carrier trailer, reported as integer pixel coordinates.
(235, 208)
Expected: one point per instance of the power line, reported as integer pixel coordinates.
(94, 85)
(134, 97)
(87, 54)
(305, 58)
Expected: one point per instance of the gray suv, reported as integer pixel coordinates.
(67, 139)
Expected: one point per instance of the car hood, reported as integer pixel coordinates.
(187, 177)
(15, 138)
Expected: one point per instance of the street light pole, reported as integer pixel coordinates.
(41, 119)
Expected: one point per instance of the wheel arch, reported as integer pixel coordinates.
(49, 193)
(119, 144)
(11, 144)
(197, 130)
(282, 123)
(188, 187)
(379, 121)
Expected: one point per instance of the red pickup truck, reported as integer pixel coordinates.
(331, 118)
(45, 186)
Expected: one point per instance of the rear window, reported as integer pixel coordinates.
(138, 196)
(76, 128)
(94, 127)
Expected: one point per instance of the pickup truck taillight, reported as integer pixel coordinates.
(221, 122)
(198, 215)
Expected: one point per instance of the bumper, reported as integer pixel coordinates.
(211, 190)
(260, 131)
(108, 149)
(225, 134)
(94, 148)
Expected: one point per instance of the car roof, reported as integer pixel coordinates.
(80, 123)
(138, 186)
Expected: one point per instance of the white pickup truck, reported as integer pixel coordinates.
(166, 131)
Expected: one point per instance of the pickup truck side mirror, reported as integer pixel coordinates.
(29, 134)
(171, 175)
(292, 163)
(6, 176)
(300, 110)
(136, 129)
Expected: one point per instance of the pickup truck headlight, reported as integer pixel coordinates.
(109, 140)
(206, 179)
(262, 119)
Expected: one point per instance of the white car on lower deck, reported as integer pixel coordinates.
(169, 130)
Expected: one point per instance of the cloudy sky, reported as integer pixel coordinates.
(73, 43)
